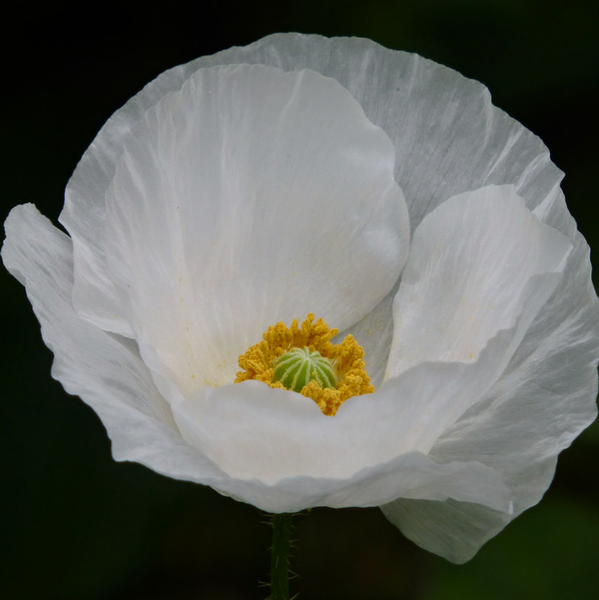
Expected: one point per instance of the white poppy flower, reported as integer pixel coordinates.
(375, 189)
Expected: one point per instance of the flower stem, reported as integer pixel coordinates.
(279, 556)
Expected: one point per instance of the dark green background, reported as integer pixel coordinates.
(75, 524)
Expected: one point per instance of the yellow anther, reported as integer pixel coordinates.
(347, 359)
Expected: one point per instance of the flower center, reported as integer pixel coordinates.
(303, 359)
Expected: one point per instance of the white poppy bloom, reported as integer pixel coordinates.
(375, 189)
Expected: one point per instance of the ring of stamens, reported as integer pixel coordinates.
(347, 358)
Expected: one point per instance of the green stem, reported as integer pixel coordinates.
(279, 556)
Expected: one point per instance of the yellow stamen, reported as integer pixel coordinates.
(347, 359)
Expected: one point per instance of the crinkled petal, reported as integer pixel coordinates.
(477, 263)
(248, 197)
(281, 441)
(421, 478)
(454, 530)
(544, 399)
(103, 369)
(448, 136)
(546, 396)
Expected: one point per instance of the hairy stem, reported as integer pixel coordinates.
(279, 556)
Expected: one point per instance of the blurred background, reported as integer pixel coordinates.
(76, 525)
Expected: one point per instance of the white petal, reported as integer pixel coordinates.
(546, 396)
(421, 477)
(273, 435)
(478, 263)
(104, 370)
(248, 197)
(454, 530)
(283, 454)
(544, 399)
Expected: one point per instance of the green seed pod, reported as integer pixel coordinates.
(298, 367)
